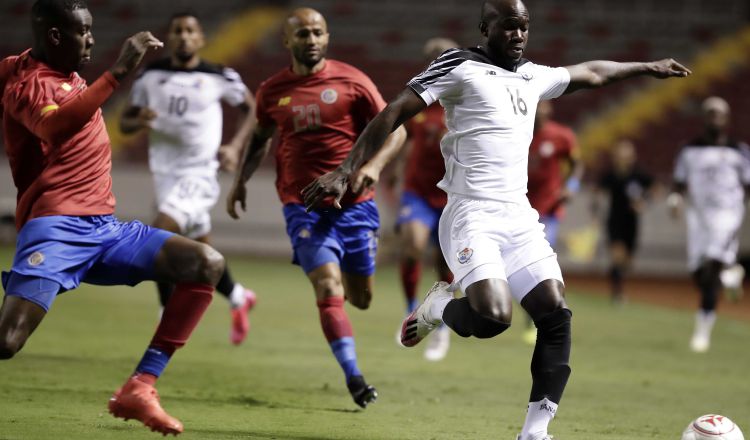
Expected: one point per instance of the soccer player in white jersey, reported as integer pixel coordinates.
(489, 234)
(178, 101)
(714, 172)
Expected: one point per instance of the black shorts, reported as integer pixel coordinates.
(623, 230)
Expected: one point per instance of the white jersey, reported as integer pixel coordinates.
(715, 175)
(186, 133)
(490, 115)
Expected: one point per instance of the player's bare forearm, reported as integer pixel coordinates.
(253, 155)
(373, 138)
(593, 74)
(390, 149)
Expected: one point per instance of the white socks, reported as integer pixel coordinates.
(237, 297)
(437, 307)
(538, 417)
(704, 323)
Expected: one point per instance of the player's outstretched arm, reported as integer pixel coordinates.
(60, 123)
(369, 174)
(370, 142)
(593, 74)
(252, 156)
(230, 153)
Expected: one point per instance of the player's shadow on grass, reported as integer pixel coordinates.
(252, 402)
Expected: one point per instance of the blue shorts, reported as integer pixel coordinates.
(56, 253)
(416, 208)
(347, 237)
(551, 227)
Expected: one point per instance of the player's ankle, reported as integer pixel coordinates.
(146, 378)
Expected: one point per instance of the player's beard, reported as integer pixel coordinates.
(308, 60)
(184, 57)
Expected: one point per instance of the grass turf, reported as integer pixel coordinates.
(633, 377)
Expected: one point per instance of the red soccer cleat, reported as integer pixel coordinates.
(139, 400)
(240, 320)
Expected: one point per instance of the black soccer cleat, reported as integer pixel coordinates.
(362, 393)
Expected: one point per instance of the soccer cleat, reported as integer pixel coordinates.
(240, 320)
(732, 279)
(700, 343)
(546, 437)
(419, 323)
(362, 393)
(140, 401)
(438, 344)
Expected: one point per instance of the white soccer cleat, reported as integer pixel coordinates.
(420, 323)
(700, 343)
(438, 345)
(546, 437)
(732, 278)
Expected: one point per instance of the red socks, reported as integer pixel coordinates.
(181, 314)
(410, 272)
(333, 318)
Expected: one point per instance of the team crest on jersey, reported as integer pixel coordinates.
(36, 259)
(527, 76)
(465, 255)
(329, 96)
(305, 233)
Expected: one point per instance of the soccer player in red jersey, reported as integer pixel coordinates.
(60, 157)
(555, 172)
(422, 202)
(320, 106)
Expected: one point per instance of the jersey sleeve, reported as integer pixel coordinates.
(139, 93)
(30, 100)
(367, 100)
(680, 168)
(745, 163)
(439, 79)
(234, 90)
(551, 81)
(261, 108)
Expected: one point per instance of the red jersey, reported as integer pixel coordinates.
(553, 145)
(425, 166)
(319, 118)
(69, 175)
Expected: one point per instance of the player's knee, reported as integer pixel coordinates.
(485, 328)
(211, 265)
(328, 286)
(9, 347)
(555, 324)
(495, 310)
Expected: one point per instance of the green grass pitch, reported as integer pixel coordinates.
(633, 377)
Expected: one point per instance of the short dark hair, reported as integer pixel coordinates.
(184, 13)
(53, 12)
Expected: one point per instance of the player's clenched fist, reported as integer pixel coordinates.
(667, 68)
(132, 53)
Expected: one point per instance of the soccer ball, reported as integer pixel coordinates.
(712, 427)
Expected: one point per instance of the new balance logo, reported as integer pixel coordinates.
(491, 73)
(545, 407)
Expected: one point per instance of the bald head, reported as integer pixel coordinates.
(303, 17)
(715, 113)
(306, 37)
(493, 9)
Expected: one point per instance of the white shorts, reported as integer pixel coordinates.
(712, 235)
(484, 239)
(188, 201)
